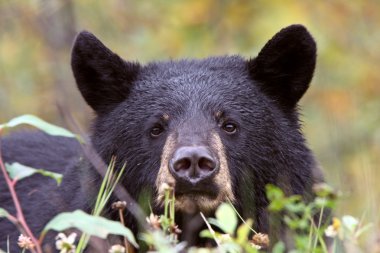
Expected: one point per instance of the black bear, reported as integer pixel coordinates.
(217, 129)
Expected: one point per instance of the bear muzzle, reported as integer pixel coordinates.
(193, 167)
(199, 174)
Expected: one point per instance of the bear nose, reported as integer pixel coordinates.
(193, 164)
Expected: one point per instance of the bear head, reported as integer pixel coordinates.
(216, 129)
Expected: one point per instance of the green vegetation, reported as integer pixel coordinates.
(306, 229)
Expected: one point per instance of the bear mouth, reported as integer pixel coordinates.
(197, 201)
(209, 191)
(196, 194)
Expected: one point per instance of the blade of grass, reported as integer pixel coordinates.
(319, 226)
(241, 218)
(107, 187)
(210, 229)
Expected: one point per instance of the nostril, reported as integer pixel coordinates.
(206, 164)
(182, 164)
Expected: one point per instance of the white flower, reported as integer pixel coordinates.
(116, 249)
(65, 244)
(331, 232)
(255, 245)
(333, 229)
(25, 242)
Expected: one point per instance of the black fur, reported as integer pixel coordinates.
(103, 77)
(259, 95)
(285, 65)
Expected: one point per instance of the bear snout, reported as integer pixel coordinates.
(193, 166)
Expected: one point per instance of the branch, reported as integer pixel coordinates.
(20, 219)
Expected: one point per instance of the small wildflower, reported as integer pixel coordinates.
(173, 229)
(333, 229)
(25, 242)
(65, 244)
(119, 205)
(255, 245)
(154, 221)
(336, 223)
(116, 249)
(261, 240)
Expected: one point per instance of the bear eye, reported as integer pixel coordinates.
(156, 130)
(229, 127)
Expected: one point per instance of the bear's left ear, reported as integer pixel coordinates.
(103, 78)
(285, 66)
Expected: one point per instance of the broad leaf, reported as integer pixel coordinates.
(206, 234)
(279, 247)
(243, 232)
(40, 124)
(3, 213)
(19, 171)
(225, 218)
(91, 225)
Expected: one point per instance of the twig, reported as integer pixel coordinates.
(126, 244)
(99, 166)
(19, 213)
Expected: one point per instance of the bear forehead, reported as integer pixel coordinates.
(194, 73)
(194, 85)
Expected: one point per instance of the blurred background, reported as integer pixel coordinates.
(341, 110)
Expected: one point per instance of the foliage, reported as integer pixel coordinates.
(18, 171)
(299, 218)
(107, 187)
(38, 123)
(89, 224)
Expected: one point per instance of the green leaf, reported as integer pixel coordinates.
(277, 205)
(350, 223)
(91, 225)
(243, 232)
(276, 198)
(3, 213)
(19, 171)
(40, 124)
(248, 248)
(274, 192)
(279, 247)
(206, 234)
(226, 218)
(230, 247)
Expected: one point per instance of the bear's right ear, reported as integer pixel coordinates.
(103, 78)
(285, 66)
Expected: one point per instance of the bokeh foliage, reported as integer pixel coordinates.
(341, 111)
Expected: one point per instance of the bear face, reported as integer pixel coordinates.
(216, 129)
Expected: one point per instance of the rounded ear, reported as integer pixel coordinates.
(285, 66)
(103, 78)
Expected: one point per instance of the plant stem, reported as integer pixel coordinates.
(19, 214)
(319, 225)
(210, 229)
(126, 244)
